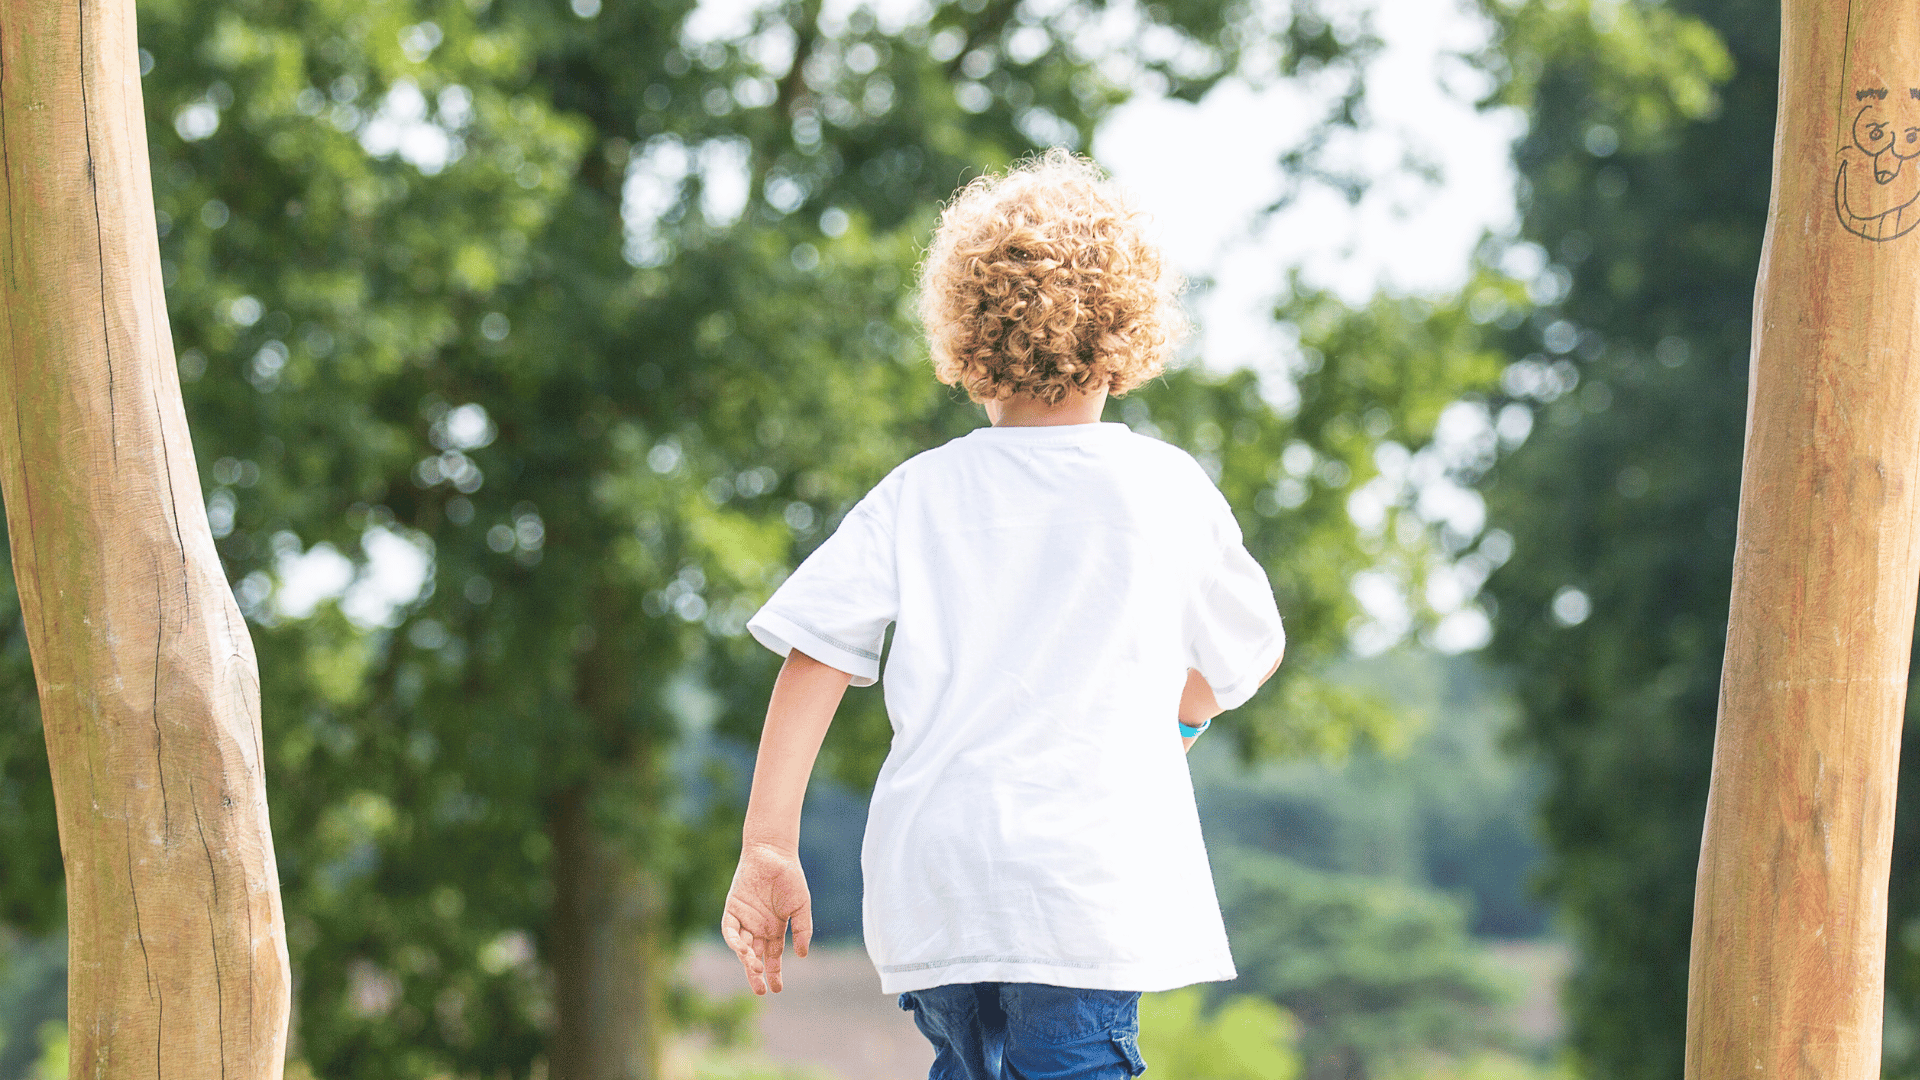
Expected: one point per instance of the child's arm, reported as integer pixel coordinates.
(769, 889)
(1197, 704)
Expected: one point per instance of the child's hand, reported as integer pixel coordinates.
(769, 890)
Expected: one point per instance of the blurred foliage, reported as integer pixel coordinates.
(1644, 69)
(1376, 971)
(723, 1066)
(726, 1022)
(33, 993)
(53, 1052)
(1451, 810)
(602, 320)
(1490, 1065)
(1246, 1038)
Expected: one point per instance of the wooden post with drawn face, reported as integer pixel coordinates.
(148, 691)
(1789, 933)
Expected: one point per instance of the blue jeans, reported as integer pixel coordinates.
(1028, 1031)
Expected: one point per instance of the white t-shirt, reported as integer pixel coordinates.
(1034, 820)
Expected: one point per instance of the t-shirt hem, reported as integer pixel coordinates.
(1144, 977)
(782, 633)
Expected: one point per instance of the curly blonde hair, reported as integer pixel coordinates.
(1043, 281)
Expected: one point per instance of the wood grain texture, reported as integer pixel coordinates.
(148, 687)
(1789, 935)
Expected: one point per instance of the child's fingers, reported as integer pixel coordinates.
(736, 936)
(802, 929)
(739, 940)
(742, 945)
(756, 969)
(774, 947)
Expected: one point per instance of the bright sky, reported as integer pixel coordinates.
(1204, 171)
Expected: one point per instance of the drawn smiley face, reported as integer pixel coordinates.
(1875, 192)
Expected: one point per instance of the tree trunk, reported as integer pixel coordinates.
(608, 953)
(1789, 937)
(149, 694)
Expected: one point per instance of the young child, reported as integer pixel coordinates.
(1061, 591)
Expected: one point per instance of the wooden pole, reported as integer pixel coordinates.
(149, 693)
(1789, 933)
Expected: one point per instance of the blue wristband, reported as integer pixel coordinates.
(1190, 732)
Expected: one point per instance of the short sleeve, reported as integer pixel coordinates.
(1233, 630)
(836, 604)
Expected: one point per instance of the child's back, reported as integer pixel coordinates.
(1051, 587)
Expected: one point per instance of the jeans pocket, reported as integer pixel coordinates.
(1054, 1013)
(1130, 1049)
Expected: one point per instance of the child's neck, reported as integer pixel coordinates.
(1025, 410)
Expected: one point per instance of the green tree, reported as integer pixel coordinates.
(1450, 810)
(1376, 971)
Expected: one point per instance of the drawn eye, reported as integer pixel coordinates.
(1913, 135)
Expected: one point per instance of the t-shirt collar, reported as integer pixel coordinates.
(1047, 432)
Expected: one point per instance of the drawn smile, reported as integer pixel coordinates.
(1888, 224)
